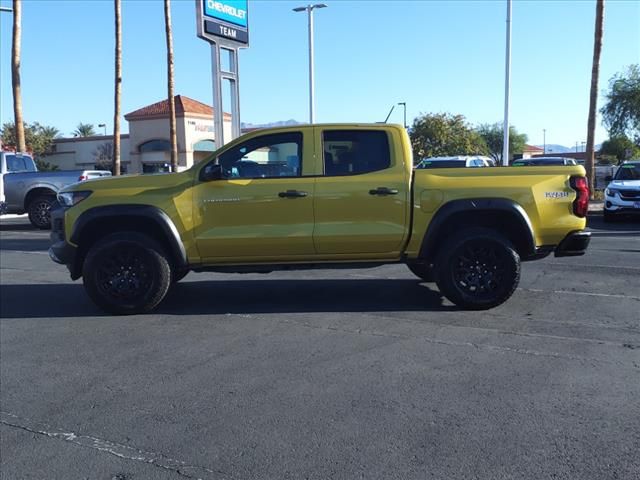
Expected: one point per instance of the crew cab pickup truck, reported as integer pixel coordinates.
(28, 190)
(318, 196)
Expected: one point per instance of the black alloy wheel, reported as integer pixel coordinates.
(126, 273)
(39, 211)
(479, 269)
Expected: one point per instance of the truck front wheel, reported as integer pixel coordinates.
(478, 269)
(126, 273)
(39, 211)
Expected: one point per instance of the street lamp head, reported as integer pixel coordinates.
(310, 7)
(102, 125)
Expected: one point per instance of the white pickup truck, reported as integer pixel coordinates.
(24, 189)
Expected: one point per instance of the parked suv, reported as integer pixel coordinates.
(456, 162)
(622, 195)
(544, 161)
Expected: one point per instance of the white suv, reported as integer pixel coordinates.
(622, 195)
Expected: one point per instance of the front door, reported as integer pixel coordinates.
(262, 208)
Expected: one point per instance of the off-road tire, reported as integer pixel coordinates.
(39, 210)
(126, 273)
(477, 269)
(423, 271)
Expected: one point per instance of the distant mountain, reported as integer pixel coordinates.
(281, 123)
(555, 148)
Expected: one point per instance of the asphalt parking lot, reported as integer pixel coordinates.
(324, 374)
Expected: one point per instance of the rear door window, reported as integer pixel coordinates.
(354, 152)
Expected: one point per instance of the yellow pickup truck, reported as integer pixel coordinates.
(318, 196)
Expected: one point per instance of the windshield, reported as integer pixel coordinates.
(20, 163)
(630, 171)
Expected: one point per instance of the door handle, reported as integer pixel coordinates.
(292, 194)
(383, 191)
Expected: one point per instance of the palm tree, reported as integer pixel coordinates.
(595, 73)
(15, 75)
(84, 130)
(172, 105)
(118, 85)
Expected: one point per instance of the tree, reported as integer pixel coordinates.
(117, 88)
(443, 134)
(39, 141)
(593, 97)
(172, 106)
(493, 136)
(84, 130)
(621, 112)
(621, 147)
(103, 156)
(38, 138)
(15, 75)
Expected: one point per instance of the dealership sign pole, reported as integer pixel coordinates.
(224, 24)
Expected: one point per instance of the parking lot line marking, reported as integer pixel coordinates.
(112, 448)
(27, 251)
(478, 346)
(587, 265)
(571, 292)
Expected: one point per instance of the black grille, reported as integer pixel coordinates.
(633, 194)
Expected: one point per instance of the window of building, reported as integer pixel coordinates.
(269, 156)
(156, 168)
(204, 146)
(155, 146)
(353, 152)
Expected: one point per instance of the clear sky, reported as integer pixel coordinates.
(437, 56)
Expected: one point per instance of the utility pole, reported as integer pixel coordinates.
(544, 140)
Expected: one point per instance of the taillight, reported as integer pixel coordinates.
(82, 177)
(581, 203)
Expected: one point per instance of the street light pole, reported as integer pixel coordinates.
(507, 89)
(404, 106)
(103, 125)
(309, 9)
(544, 140)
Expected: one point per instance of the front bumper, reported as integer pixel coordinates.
(614, 204)
(574, 244)
(60, 251)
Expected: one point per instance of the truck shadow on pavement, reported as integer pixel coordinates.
(25, 244)
(221, 297)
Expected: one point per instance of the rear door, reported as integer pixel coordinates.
(362, 198)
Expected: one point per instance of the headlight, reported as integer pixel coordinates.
(69, 199)
(610, 192)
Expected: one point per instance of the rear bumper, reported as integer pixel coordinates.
(574, 244)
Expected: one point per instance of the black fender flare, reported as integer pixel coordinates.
(148, 212)
(478, 206)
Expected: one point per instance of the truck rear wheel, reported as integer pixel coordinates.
(39, 211)
(478, 269)
(126, 273)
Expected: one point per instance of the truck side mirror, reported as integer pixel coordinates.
(211, 172)
(608, 178)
